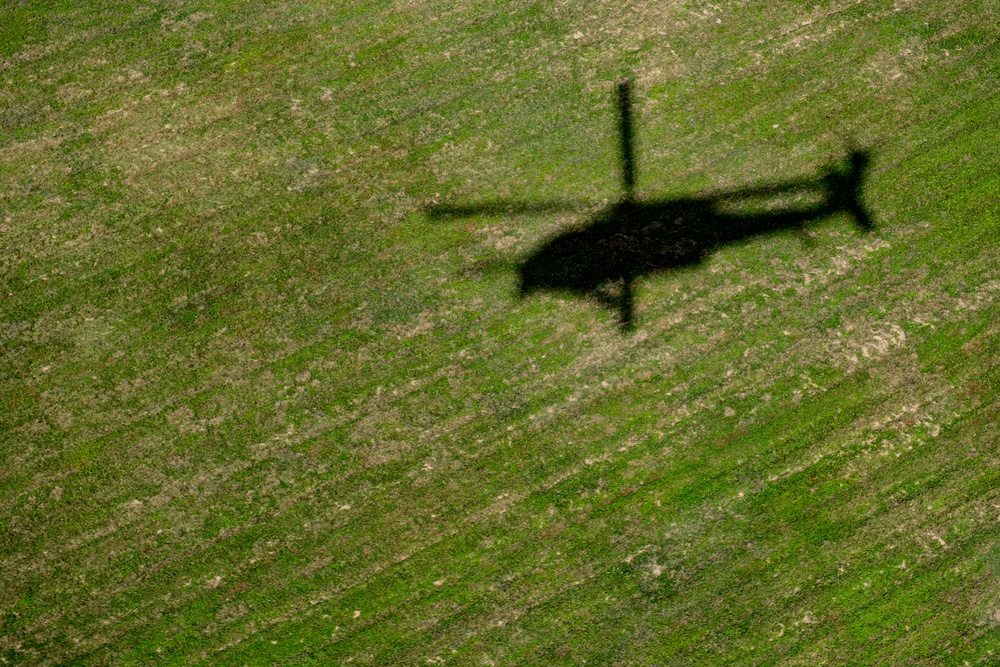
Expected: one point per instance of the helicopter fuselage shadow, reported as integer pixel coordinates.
(631, 239)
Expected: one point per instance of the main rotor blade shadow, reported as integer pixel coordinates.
(505, 207)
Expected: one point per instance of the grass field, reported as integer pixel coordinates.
(258, 407)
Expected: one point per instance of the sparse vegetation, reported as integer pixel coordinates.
(257, 408)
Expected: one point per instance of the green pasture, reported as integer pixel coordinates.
(258, 407)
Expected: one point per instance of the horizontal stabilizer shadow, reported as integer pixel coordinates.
(632, 239)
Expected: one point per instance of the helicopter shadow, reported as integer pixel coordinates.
(633, 239)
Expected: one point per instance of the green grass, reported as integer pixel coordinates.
(257, 408)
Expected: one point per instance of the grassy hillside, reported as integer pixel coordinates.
(258, 407)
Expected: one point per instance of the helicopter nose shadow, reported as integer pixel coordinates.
(631, 240)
